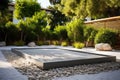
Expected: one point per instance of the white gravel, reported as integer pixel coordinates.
(35, 73)
(111, 75)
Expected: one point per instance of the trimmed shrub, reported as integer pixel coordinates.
(92, 35)
(78, 45)
(87, 32)
(19, 43)
(61, 32)
(106, 36)
(39, 43)
(47, 33)
(55, 42)
(89, 35)
(54, 36)
(75, 30)
(46, 43)
(64, 43)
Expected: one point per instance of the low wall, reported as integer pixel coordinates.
(112, 22)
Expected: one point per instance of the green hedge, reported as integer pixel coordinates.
(19, 43)
(106, 36)
(64, 43)
(89, 33)
(75, 30)
(78, 45)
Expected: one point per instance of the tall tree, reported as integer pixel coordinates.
(26, 8)
(5, 16)
(33, 26)
(75, 30)
(40, 22)
(3, 7)
(91, 8)
(3, 4)
(56, 18)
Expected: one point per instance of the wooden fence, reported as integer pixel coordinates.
(112, 22)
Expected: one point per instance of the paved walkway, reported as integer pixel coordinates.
(7, 72)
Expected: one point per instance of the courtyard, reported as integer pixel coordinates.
(25, 70)
(59, 40)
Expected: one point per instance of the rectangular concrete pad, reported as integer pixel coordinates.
(48, 58)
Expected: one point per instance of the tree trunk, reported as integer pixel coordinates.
(38, 38)
(5, 37)
(21, 37)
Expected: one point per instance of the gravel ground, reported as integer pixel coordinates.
(35, 73)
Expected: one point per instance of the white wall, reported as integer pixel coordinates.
(15, 21)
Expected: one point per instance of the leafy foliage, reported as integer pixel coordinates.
(40, 22)
(31, 28)
(106, 36)
(78, 45)
(61, 32)
(3, 4)
(92, 35)
(55, 42)
(89, 33)
(47, 33)
(19, 43)
(34, 25)
(56, 18)
(75, 30)
(22, 28)
(64, 43)
(39, 43)
(5, 16)
(11, 31)
(25, 8)
(91, 8)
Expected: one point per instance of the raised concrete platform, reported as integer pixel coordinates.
(7, 72)
(92, 50)
(47, 58)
